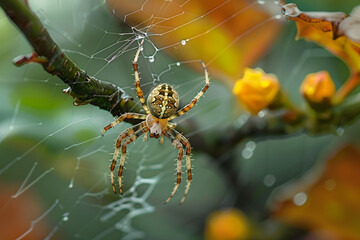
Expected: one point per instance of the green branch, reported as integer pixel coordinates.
(83, 88)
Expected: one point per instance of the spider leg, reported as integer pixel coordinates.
(137, 79)
(172, 125)
(185, 142)
(186, 108)
(178, 145)
(122, 118)
(162, 139)
(128, 140)
(123, 135)
(145, 136)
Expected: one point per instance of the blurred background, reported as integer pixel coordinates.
(54, 166)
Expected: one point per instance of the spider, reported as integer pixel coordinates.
(162, 106)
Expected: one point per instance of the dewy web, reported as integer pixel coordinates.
(108, 56)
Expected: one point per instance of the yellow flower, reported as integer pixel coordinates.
(318, 89)
(228, 224)
(256, 89)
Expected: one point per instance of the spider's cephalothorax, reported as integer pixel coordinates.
(162, 106)
(163, 101)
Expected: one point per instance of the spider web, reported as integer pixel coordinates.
(52, 155)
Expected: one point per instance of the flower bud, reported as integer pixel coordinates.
(318, 89)
(228, 224)
(256, 89)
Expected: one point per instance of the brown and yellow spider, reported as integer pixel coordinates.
(162, 105)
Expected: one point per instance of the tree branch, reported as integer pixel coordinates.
(283, 122)
(83, 88)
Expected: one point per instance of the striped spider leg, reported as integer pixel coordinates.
(139, 92)
(142, 129)
(186, 108)
(127, 133)
(180, 148)
(180, 142)
(122, 118)
(185, 142)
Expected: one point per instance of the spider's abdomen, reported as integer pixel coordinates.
(163, 101)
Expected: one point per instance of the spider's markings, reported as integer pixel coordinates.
(163, 100)
(163, 105)
(166, 89)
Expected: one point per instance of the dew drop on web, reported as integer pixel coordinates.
(300, 199)
(269, 180)
(66, 217)
(246, 153)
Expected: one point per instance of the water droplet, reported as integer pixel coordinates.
(269, 180)
(250, 145)
(278, 16)
(178, 64)
(246, 153)
(71, 185)
(261, 2)
(300, 198)
(340, 131)
(66, 217)
(151, 59)
(262, 113)
(241, 120)
(183, 42)
(276, 1)
(330, 184)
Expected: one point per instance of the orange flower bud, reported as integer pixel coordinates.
(318, 89)
(256, 89)
(227, 225)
